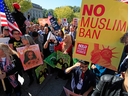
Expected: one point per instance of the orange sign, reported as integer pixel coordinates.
(30, 57)
(43, 21)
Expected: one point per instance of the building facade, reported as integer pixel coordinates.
(35, 12)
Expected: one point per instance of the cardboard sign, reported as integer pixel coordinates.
(70, 93)
(54, 24)
(30, 57)
(101, 25)
(43, 21)
(41, 72)
(51, 36)
(4, 40)
(75, 21)
(51, 60)
(63, 60)
(64, 22)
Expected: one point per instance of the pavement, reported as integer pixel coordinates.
(49, 87)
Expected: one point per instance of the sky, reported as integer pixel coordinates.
(52, 4)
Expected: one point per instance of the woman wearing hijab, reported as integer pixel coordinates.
(19, 18)
(65, 47)
(10, 64)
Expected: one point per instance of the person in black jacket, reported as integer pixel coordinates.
(110, 85)
(10, 66)
(83, 79)
(19, 18)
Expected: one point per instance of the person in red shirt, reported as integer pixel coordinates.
(65, 47)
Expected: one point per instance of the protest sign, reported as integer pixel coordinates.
(41, 72)
(51, 36)
(63, 60)
(4, 87)
(64, 22)
(70, 93)
(101, 25)
(51, 60)
(43, 21)
(75, 21)
(30, 56)
(4, 40)
(54, 24)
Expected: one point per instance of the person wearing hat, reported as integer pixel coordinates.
(19, 18)
(83, 79)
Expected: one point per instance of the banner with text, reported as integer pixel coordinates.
(43, 21)
(75, 21)
(64, 22)
(54, 24)
(101, 25)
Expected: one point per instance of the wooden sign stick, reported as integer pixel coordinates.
(3, 82)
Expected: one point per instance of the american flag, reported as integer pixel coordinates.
(125, 1)
(7, 19)
(49, 17)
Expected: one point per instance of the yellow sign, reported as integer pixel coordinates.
(101, 25)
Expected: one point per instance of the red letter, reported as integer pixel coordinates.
(95, 24)
(102, 23)
(119, 25)
(84, 23)
(114, 25)
(87, 9)
(82, 30)
(102, 10)
(88, 33)
(96, 35)
(107, 25)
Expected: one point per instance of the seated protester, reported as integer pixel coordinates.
(6, 32)
(83, 79)
(38, 40)
(10, 64)
(60, 36)
(110, 85)
(16, 41)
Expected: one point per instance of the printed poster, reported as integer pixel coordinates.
(41, 72)
(75, 21)
(64, 22)
(70, 93)
(63, 60)
(101, 25)
(30, 57)
(54, 24)
(51, 60)
(4, 40)
(43, 21)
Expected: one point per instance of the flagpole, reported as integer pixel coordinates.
(3, 82)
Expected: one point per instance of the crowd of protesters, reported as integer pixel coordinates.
(83, 81)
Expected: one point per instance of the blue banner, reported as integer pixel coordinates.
(54, 23)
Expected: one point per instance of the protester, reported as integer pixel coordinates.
(110, 85)
(73, 34)
(41, 31)
(6, 32)
(65, 47)
(60, 36)
(16, 41)
(38, 39)
(10, 64)
(27, 41)
(83, 80)
(19, 18)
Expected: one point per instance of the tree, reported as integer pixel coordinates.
(64, 12)
(25, 4)
(50, 10)
(44, 12)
